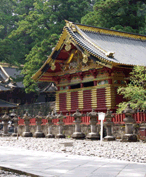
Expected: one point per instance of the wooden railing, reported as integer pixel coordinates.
(69, 120)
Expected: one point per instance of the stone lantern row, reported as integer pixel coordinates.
(93, 135)
(5, 119)
(39, 133)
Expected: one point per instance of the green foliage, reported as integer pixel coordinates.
(135, 91)
(42, 26)
(122, 15)
(29, 29)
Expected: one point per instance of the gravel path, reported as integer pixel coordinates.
(134, 152)
(4, 173)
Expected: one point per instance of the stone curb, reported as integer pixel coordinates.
(18, 171)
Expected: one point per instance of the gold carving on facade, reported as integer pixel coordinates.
(53, 67)
(67, 43)
(73, 65)
(85, 57)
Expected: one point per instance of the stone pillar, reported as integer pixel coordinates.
(15, 123)
(60, 126)
(129, 121)
(77, 134)
(109, 124)
(5, 119)
(50, 117)
(39, 133)
(15, 120)
(5, 128)
(94, 135)
(27, 132)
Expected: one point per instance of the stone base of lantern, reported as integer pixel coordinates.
(93, 136)
(27, 134)
(39, 135)
(50, 136)
(129, 138)
(109, 138)
(78, 135)
(14, 134)
(60, 136)
(4, 135)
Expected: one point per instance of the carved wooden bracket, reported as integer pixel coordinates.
(68, 77)
(108, 70)
(93, 72)
(81, 75)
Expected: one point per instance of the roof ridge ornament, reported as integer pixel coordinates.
(110, 54)
(71, 25)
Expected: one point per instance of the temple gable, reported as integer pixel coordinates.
(88, 65)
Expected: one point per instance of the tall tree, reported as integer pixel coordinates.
(13, 48)
(123, 15)
(7, 25)
(44, 25)
(135, 91)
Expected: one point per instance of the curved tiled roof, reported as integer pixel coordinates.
(127, 50)
(108, 47)
(5, 104)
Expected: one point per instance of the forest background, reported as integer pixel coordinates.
(29, 29)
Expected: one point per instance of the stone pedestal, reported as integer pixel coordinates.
(27, 132)
(109, 124)
(77, 134)
(60, 129)
(15, 129)
(15, 120)
(50, 135)
(129, 121)
(93, 135)
(5, 119)
(50, 117)
(60, 125)
(5, 128)
(39, 133)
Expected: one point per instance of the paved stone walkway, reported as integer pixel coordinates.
(49, 164)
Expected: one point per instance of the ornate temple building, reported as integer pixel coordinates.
(12, 89)
(88, 65)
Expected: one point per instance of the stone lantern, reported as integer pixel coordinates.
(26, 119)
(50, 117)
(5, 119)
(129, 121)
(15, 123)
(108, 124)
(93, 121)
(77, 134)
(39, 133)
(60, 125)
